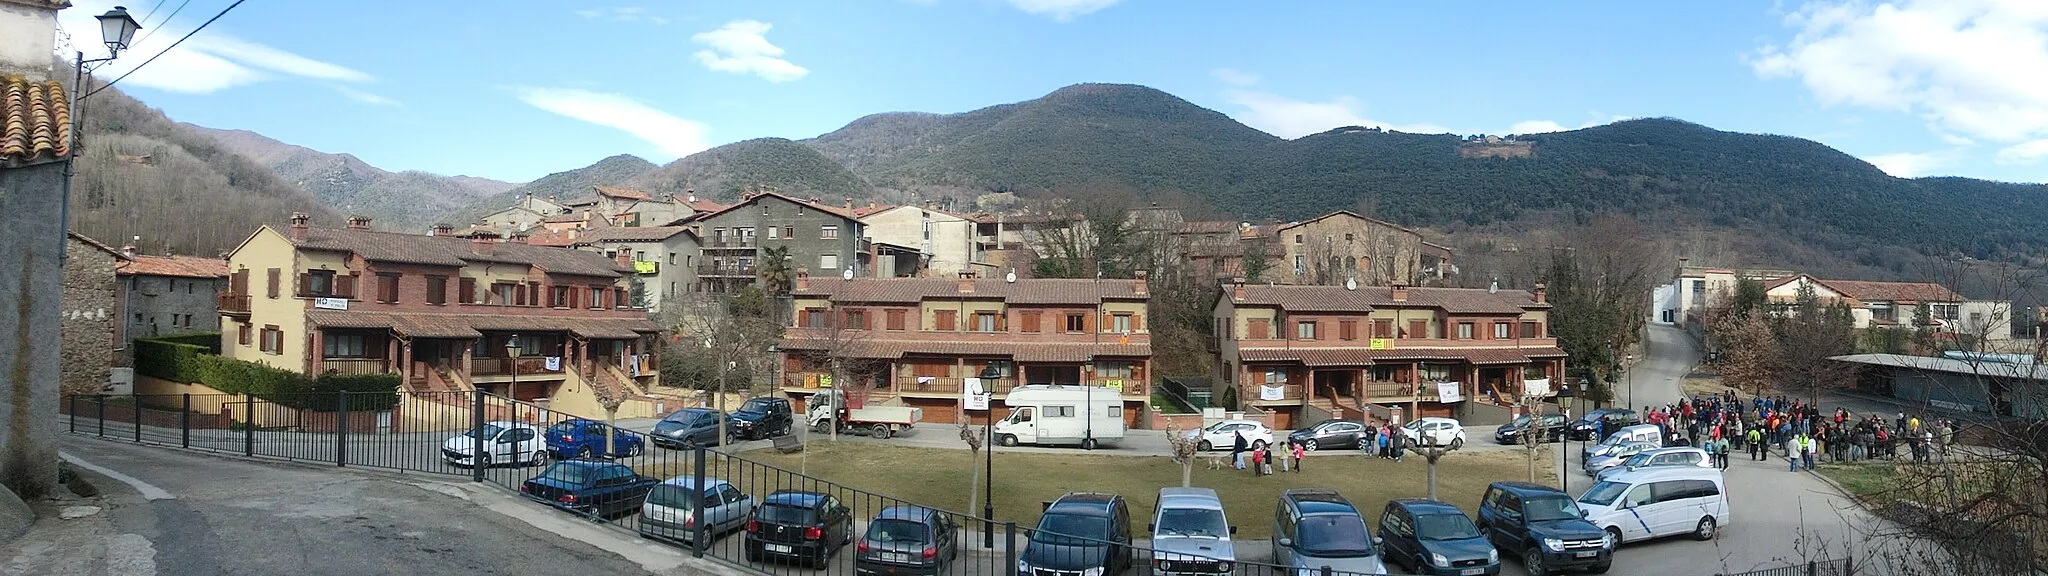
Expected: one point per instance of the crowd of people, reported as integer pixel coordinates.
(1766, 426)
(1382, 439)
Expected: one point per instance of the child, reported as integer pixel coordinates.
(1300, 455)
(1258, 458)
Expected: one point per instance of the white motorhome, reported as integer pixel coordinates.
(1053, 415)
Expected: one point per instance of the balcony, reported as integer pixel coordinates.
(232, 304)
(950, 386)
(483, 367)
(730, 243)
(729, 270)
(354, 366)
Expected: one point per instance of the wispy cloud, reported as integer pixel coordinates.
(1289, 118)
(2029, 152)
(365, 97)
(742, 47)
(1062, 10)
(623, 14)
(209, 62)
(671, 134)
(1235, 77)
(1911, 164)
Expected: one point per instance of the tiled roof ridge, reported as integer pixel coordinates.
(501, 251)
(35, 119)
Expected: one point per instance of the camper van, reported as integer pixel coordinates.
(1053, 415)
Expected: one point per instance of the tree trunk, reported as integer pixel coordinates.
(611, 430)
(974, 482)
(1187, 473)
(1432, 477)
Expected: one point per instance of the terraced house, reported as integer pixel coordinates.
(919, 341)
(1306, 353)
(447, 313)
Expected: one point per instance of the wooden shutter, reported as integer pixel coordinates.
(533, 294)
(895, 319)
(1383, 328)
(1108, 321)
(242, 332)
(305, 287)
(274, 279)
(803, 318)
(345, 286)
(1417, 329)
(945, 320)
(1258, 327)
(465, 291)
(1003, 321)
(1088, 323)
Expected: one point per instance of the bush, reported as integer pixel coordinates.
(208, 340)
(365, 392)
(245, 377)
(189, 358)
(174, 361)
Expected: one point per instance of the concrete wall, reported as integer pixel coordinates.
(949, 243)
(25, 38)
(31, 322)
(90, 315)
(157, 305)
(807, 249)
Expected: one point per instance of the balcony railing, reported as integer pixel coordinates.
(503, 366)
(232, 303)
(355, 366)
(747, 242)
(726, 270)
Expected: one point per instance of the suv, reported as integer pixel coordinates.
(759, 418)
(1584, 428)
(1432, 537)
(1081, 533)
(804, 526)
(1330, 434)
(1544, 527)
(1660, 458)
(1223, 435)
(1550, 427)
(687, 428)
(1190, 534)
(1434, 431)
(907, 540)
(1315, 528)
(580, 438)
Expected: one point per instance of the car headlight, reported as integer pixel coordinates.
(1096, 571)
(1223, 566)
(1439, 559)
(1023, 567)
(1555, 545)
(1492, 555)
(1607, 540)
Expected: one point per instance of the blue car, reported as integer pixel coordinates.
(605, 489)
(580, 438)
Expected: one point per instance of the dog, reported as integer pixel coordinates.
(1216, 462)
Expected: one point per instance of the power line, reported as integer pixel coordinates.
(152, 10)
(181, 40)
(174, 14)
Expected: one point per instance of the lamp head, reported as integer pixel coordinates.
(117, 29)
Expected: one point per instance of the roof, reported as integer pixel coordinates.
(690, 481)
(1023, 291)
(179, 266)
(420, 325)
(1419, 504)
(1362, 355)
(819, 206)
(1208, 227)
(904, 512)
(1064, 352)
(1277, 229)
(1095, 502)
(1177, 497)
(453, 251)
(35, 121)
(704, 205)
(1528, 488)
(1869, 291)
(1367, 298)
(630, 234)
(793, 498)
(2023, 371)
(618, 192)
(863, 211)
(1312, 501)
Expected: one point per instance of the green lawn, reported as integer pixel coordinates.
(939, 477)
(1864, 480)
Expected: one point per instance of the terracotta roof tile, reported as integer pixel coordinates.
(864, 211)
(469, 325)
(630, 234)
(35, 121)
(1366, 298)
(619, 192)
(705, 205)
(453, 251)
(1024, 291)
(1024, 352)
(1362, 356)
(1868, 291)
(181, 266)
(1204, 227)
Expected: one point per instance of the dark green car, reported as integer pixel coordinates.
(1433, 537)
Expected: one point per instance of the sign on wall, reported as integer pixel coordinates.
(1382, 344)
(1272, 392)
(330, 303)
(1449, 392)
(972, 395)
(645, 266)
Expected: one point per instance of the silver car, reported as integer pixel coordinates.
(1316, 528)
(670, 511)
(1660, 458)
(1613, 457)
(1190, 536)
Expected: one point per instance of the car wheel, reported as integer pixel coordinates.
(583, 452)
(634, 450)
(1257, 444)
(880, 432)
(1457, 443)
(821, 428)
(540, 457)
(1007, 440)
(1706, 529)
(1309, 445)
(1616, 534)
(483, 460)
(1532, 562)
(1088, 444)
(1205, 446)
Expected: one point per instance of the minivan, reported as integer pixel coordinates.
(1633, 434)
(1080, 533)
(1660, 458)
(1658, 502)
(1190, 535)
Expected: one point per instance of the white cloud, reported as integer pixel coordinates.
(1235, 77)
(1978, 69)
(2029, 152)
(1289, 118)
(622, 14)
(210, 61)
(1061, 10)
(365, 97)
(1910, 164)
(1536, 127)
(742, 47)
(673, 135)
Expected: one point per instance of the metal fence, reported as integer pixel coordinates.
(1811, 568)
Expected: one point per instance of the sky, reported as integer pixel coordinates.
(514, 90)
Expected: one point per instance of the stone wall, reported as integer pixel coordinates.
(30, 337)
(89, 318)
(167, 306)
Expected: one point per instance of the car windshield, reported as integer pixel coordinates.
(1445, 527)
(1333, 535)
(785, 514)
(1521, 421)
(755, 405)
(1559, 507)
(562, 428)
(490, 431)
(1603, 493)
(672, 496)
(567, 474)
(685, 416)
(1636, 460)
(897, 530)
(1072, 529)
(1192, 522)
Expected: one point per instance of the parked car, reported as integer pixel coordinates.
(1550, 426)
(1332, 434)
(1660, 458)
(1435, 538)
(1657, 502)
(687, 428)
(806, 527)
(759, 418)
(604, 489)
(504, 442)
(1190, 535)
(907, 540)
(580, 438)
(1085, 533)
(1315, 528)
(1434, 431)
(1584, 427)
(1223, 435)
(1544, 527)
(670, 512)
(1614, 456)
(1637, 434)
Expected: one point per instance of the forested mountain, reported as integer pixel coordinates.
(407, 201)
(786, 166)
(572, 184)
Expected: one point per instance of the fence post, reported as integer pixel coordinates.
(1812, 568)
(476, 436)
(697, 531)
(1009, 547)
(341, 430)
(138, 417)
(72, 403)
(185, 422)
(248, 425)
(102, 398)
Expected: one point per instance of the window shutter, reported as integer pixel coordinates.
(1418, 329)
(803, 318)
(945, 320)
(274, 279)
(465, 291)
(533, 294)
(345, 286)
(1137, 322)
(1108, 321)
(1088, 323)
(305, 284)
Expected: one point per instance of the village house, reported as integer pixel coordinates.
(941, 244)
(1695, 290)
(1305, 353)
(922, 341)
(1327, 250)
(663, 259)
(445, 313)
(1924, 306)
(91, 310)
(818, 236)
(524, 214)
(169, 295)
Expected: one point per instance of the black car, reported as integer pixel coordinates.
(759, 418)
(911, 540)
(1544, 527)
(1332, 434)
(1550, 425)
(806, 527)
(687, 428)
(1078, 533)
(1433, 537)
(1583, 428)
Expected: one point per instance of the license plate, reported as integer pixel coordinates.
(779, 549)
(895, 557)
(1589, 554)
(1473, 571)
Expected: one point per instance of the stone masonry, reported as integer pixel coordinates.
(89, 314)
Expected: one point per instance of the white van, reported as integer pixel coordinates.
(1054, 415)
(1657, 502)
(1628, 435)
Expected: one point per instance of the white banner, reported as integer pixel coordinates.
(1272, 392)
(1537, 388)
(330, 303)
(553, 363)
(1448, 392)
(972, 395)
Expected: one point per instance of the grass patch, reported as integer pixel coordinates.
(939, 478)
(1865, 481)
(1167, 404)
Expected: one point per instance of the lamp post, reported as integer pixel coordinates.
(989, 374)
(512, 365)
(1628, 371)
(117, 29)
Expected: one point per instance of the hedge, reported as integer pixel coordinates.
(208, 340)
(186, 362)
(365, 392)
(157, 358)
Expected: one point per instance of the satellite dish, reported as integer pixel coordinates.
(1011, 277)
(1351, 283)
(848, 274)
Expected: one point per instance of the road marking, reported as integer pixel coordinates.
(148, 491)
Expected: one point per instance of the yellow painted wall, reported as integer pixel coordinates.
(268, 248)
(487, 275)
(1242, 324)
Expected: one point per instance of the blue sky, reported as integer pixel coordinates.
(515, 90)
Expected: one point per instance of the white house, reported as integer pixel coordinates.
(946, 241)
(1698, 288)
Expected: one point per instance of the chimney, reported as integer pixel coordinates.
(1237, 289)
(849, 202)
(872, 205)
(625, 258)
(442, 230)
(1400, 292)
(128, 251)
(803, 279)
(1139, 287)
(966, 282)
(481, 244)
(517, 237)
(299, 226)
(1537, 292)
(693, 195)
(359, 222)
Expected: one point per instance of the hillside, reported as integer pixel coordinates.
(180, 191)
(612, 171)
(783, 165)
(395, 200)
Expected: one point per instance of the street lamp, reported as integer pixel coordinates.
(1629, 372)
(117, 29)
(512, 361)
(989, 374)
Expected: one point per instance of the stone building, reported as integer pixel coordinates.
(168, 295)
(91, 309)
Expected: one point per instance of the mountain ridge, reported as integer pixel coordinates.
(405, 200)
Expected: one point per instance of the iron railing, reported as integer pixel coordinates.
(1810, 568)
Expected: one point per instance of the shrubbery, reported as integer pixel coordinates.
(180, 359)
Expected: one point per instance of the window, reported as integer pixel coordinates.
(1383, 328)
(814, 318)
(1386, 373)
(1113, 370)
(1258, 329)
(856, 319)
(437, 290)
(1534, 372)
(1276, 376)
(1944, 311)
(1030, 320)
(1347, 329)
(1116, 411)
(895, 319)
(1436, 372)
(788, 231)
(1348, 237)
(558, 296)
(1297, 239)
(943, 320)
(1464, 330)
(274, 275)
(1305, 330)
(828, 262)
(1059, 411)
(1417, 329)
(465, 290)
(1300, 264)
(506, 294)
(984, 322)
(828, 232)
(387, 287)
(774, 232)
(345, 346)
(1529, 330)
(1077, 322)
(317, 283)
(671, 258)
(242, 334)
(273, 339)
(1120, 323)
(1501, 331)
(597, 297)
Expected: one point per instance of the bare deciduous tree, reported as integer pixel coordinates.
(1184, 450)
